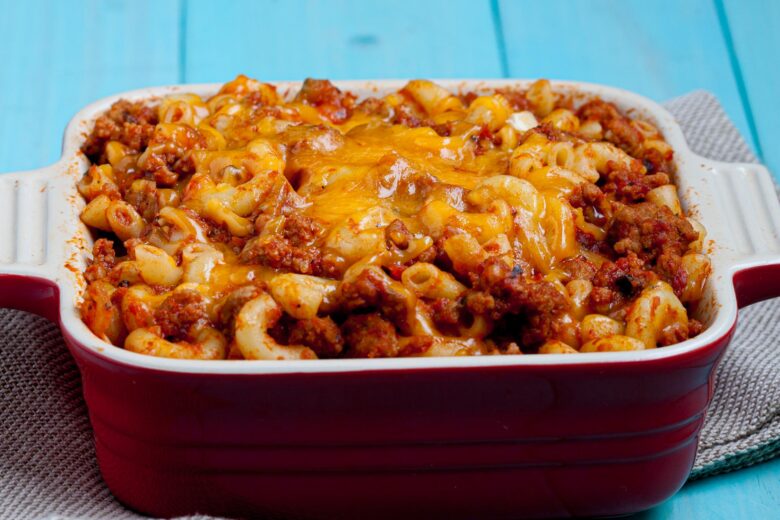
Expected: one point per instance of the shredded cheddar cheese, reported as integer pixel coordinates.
(425, 222)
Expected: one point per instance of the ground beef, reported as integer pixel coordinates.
(132, 124)
(526, 332)
(627, 275)
(446, 311)
(166, 156)
(480, 303)
(630, 183)
(548, 131)
(484, 140)
(414, 187)
(370, 336)
(467, 97)
(540, 328)
(363, 292)
(669, 267)
(444, 129)
(280, 329)
(103, 260)
(447, 314)
(649, 231)
(144, 200)
(617, 128)
(598, 110)
(499, 291)
(321, 335)
(329, 100)
(674, 333)
(578, 268)
(374, 107)
(602, 299)
(619, 281)
(160, 169)
(620, 131)
(591, 243)
(259, 99)
(369, 291)
(531, 297)
(656, 161)
(180, 312)
(215, 232)
(594, 204)
(278, 252)
(694, 327)
(300, 230)
(516, 98)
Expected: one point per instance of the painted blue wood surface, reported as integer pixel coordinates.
(58, 56)
(753, 28)
(749, 494)
(341, 39)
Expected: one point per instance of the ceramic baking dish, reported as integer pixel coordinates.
(465, 437)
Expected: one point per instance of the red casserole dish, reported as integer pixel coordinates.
(460, 437)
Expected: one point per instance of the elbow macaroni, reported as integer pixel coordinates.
(259, 226)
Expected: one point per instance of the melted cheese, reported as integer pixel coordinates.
(343, 172)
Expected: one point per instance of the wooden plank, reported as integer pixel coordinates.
(660, 49)
(341, 40)
(59, 56)
(748, 493)
(752, 28)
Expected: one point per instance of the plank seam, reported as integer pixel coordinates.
(498, 28)
(182, 41)
(736, 69)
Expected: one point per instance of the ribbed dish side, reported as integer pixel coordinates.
(744, 197)
(23, 220)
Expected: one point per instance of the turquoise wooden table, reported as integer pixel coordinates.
(57, 56)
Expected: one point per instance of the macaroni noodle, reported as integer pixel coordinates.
(257, 224)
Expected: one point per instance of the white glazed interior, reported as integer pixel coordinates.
(42, 236)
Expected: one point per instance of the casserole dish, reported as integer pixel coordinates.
(507, 436)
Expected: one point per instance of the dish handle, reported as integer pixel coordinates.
(746, 203)
(28, 245)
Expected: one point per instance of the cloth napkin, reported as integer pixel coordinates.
(47, 459)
